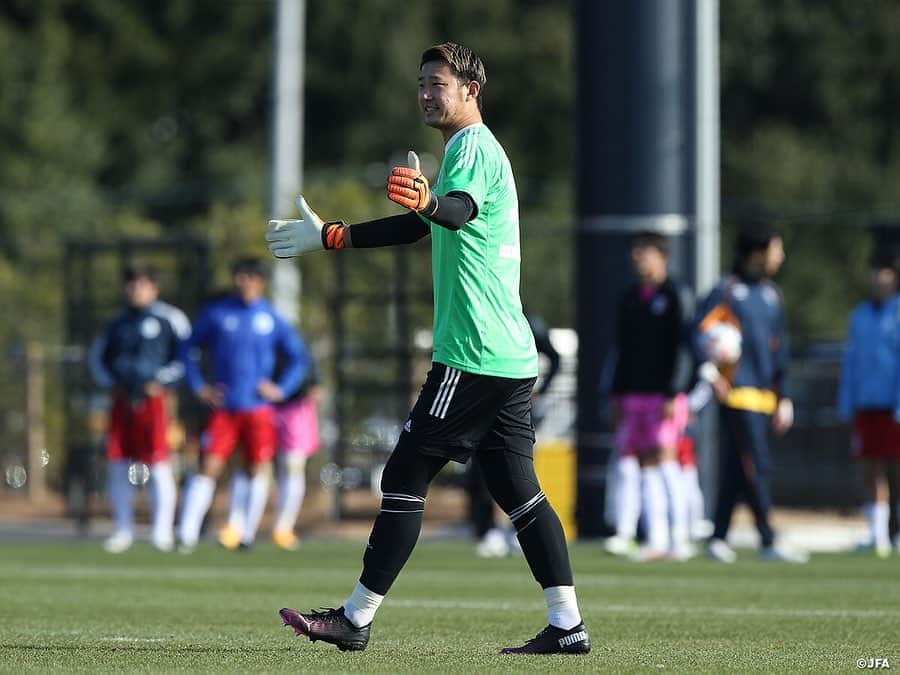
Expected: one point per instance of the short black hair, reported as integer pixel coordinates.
(883, 260)
(651, 238)
(254, 266)
(138, 269)
(466, 65)
(754, 236)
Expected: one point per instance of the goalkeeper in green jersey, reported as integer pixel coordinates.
(476, 399)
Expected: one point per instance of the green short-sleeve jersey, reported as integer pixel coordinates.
(479, 326)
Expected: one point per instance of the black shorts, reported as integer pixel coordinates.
(459, 413)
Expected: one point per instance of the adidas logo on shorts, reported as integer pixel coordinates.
(408, 426)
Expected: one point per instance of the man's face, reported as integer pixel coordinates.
(649, 263)
(442, 99)
(774, 257)
(883, 282)
(141, 292)
(249, 286)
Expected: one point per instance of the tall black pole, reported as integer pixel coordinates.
(634, 115)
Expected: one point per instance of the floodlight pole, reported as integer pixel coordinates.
(706, 204)
(287, 143)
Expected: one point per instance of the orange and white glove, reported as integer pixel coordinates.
(408, 187)
(290, 238)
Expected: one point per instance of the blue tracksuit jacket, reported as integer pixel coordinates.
(242, 343)
(869, 373)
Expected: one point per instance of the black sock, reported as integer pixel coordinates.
(404, 484)
(393, 539)
(544, 545)
(511, 479)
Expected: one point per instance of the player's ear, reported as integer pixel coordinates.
(473, 89)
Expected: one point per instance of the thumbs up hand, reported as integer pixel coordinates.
(408, 187)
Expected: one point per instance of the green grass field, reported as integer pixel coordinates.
(70, 607)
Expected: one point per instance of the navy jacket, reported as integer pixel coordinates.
(139, 346)
(759, 308)
(649, 342)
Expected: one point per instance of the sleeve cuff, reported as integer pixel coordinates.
(708, 372)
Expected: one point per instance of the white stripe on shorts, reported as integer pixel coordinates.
(442, 401)
(443, 390)
(443, 410)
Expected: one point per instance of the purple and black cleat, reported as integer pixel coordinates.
(553, 640)
(328, 625)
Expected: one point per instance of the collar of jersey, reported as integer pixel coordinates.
(459, 133)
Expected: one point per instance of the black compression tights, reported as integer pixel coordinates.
(512, 483)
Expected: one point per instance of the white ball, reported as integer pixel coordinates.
(721, 343)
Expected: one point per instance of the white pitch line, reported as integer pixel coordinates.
(87, 635)
(655, 609)
(489, 578)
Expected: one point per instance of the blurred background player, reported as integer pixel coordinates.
(649, 406)
(868, 395)
(297, 439)
(752, 393)
(498, 540)
(699, 527)
(242, 335)
(137, 355)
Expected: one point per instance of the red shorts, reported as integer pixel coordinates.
(255, 429)
(875, 435)
(137, 430)
(686, 454)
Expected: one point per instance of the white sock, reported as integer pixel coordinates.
(238, 499)
(653, 490)
(291, 489)
(881, 517)
(562, 607)
(121, 495)
(256, 504)
(696, 507)
(628, 497)
(361, 606)
(678, 506)
(869, 514)
(197, 501)
(162, 500)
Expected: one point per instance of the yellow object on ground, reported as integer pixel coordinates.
(286, 540)
(555, 465)
(229, 537)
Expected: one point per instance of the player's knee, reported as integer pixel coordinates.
(260, 469)
(402, 473)
(213, 467)
(512, 483)
(293, 463)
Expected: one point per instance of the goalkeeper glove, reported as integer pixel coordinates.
(290, 238)
(408, 187)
